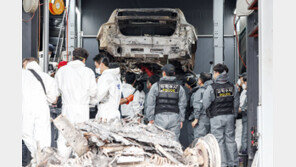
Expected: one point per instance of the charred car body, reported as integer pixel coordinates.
(145, 36)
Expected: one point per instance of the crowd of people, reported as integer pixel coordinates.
(211, 104)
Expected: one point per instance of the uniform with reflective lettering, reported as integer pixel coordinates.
(224, 100)
(168, 97)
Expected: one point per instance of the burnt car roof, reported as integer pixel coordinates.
(149, 13)
(149, 9)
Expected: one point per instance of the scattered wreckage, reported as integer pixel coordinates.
(149, 36)
(120, 143)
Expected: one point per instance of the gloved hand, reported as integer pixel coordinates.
(130, 98)
(123, 101)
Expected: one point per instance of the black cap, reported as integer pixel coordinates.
(191, 81)
(169, 69)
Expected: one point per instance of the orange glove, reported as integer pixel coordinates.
(122, 101)
(130, 98)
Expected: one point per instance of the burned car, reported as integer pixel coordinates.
(156, 35)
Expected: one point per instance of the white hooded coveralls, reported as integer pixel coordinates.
(77, 85)
(134, 107)
(109, 95)
(35, 108)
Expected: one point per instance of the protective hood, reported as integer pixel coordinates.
(34, 66)
(222, 78)
(76, 64)
(114, 71)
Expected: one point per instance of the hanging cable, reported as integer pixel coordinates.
(237, 42)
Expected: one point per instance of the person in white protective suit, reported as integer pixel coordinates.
(136, 106)
(96, 60)
(109, 91)
(140, 98)
(38, 91)
(243, 107)
(77, 85)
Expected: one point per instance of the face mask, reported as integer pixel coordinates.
(244, 86)
(239, 82)
(98, 70)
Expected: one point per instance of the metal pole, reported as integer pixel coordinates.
(218, 14)
(45, 35)
(71, 27)
(236, 60)
(79, 38)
